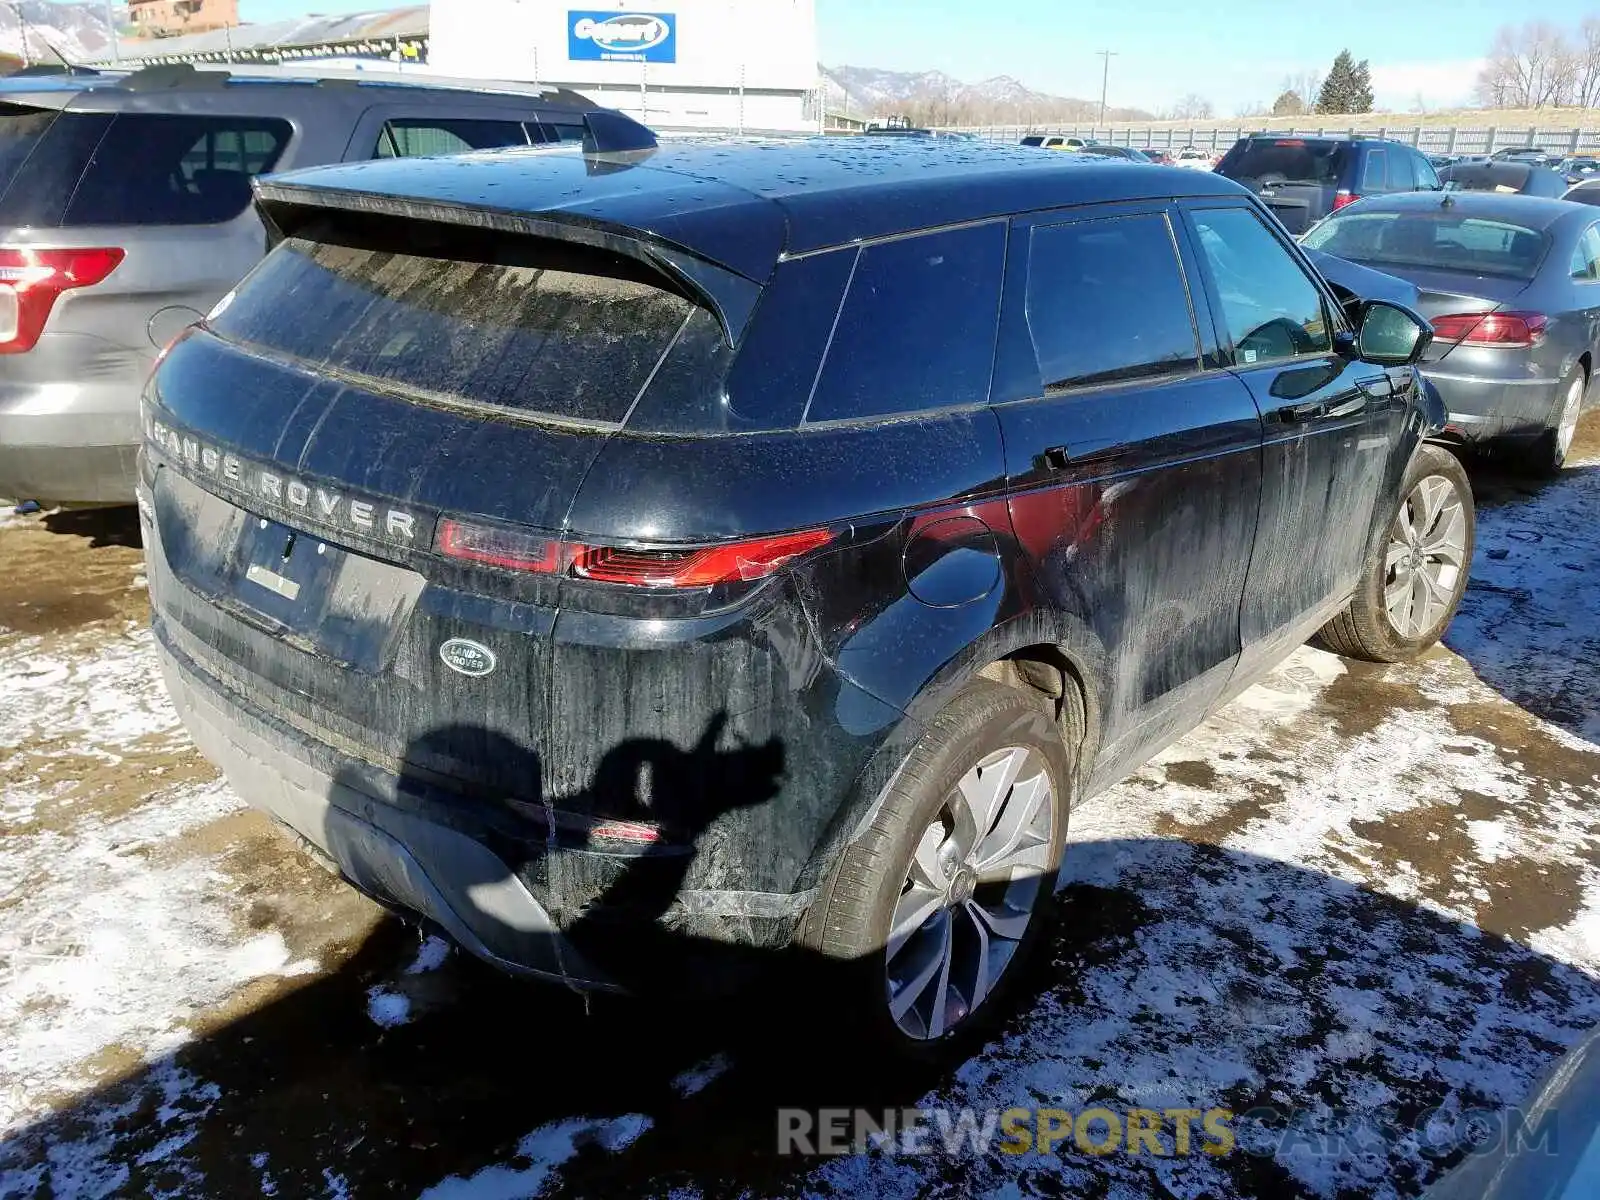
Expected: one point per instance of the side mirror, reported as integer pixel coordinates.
(1390, 335)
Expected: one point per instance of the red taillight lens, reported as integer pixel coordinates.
(703, 566)
(734, 563)
(30, 281)
(1494, 331)
(1343, 199)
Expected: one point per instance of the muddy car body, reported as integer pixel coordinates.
(618, 556)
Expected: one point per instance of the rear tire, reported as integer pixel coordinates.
(928, 887)
(1548, 453)
(1413, 582)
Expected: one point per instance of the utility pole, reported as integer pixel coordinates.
(1105, 78)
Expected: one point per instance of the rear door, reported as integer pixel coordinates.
(1133, 462)
(1331, 425)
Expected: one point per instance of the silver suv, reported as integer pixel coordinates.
(125, 214)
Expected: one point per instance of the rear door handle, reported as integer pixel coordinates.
(1059, 458)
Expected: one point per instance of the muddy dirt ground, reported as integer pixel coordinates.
(1356, 894)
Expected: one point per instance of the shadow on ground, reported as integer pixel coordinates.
(115, 526)
(1178, 974)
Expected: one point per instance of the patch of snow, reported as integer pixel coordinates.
(543, 1151)
(430, 956)
(699, 1077)
(387, 1009)
(108, 942)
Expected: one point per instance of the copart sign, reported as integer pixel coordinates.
(622, 37)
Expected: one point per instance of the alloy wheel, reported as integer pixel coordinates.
(1425, 561)
(970, 893)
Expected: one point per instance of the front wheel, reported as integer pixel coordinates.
(937, 904)
(1412, 584)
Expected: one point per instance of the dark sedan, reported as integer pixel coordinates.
(1506, 177)
(1512, 287)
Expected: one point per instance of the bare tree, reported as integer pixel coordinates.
(1586, 64)
(1193, 108)
(1305, 84)
(1530, 66)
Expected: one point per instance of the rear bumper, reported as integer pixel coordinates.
(396, 854)
(68, 444)
(1485, 409)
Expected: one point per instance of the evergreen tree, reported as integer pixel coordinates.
(1348, 88)
(1362, 99)
(1288, 104)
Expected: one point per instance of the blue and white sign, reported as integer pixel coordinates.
(622, 37)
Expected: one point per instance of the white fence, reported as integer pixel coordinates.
(1431, 139)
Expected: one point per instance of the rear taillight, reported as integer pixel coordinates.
(663, 567)
(1342, 198)
(30, 281)
(1492, 331)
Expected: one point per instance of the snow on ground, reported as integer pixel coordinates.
(1355, 894)
(543, 1151)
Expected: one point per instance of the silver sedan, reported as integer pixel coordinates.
(1512, 287)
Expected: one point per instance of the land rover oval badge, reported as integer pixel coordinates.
(467, 657)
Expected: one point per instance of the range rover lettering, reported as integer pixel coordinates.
(765, 545)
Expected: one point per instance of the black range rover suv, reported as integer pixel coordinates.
(751, 551)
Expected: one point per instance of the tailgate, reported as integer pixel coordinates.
(1299, 208)
(291, 560)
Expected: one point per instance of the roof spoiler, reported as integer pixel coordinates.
(606, 131)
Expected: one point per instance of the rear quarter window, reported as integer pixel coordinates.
(917, 328)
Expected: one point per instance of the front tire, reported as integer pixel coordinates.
(1413, 582)
(936, 906)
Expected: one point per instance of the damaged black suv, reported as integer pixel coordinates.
(720, 553)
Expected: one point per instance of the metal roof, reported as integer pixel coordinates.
(378, 25)
(742, 202)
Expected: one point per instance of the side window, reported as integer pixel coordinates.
(1427, 177)
(1374, 176)
(561, 131)
(409, 137)
(1402, 174)
(155, 169)
(917, 328)
(1272, 308)
(1586, 258)
(1107, 302)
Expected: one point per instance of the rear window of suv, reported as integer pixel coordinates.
(536, 327)
(1284, 160)
(75, 169)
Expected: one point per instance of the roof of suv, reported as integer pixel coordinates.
(742, 203)
(184, 86)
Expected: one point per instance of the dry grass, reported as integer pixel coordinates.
(1464, 118)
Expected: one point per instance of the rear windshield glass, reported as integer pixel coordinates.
(1033, 141)
(545, 328)
(20, 130)
(1432, 239)
(1286, 161)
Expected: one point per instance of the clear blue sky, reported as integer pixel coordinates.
(1233, 52)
